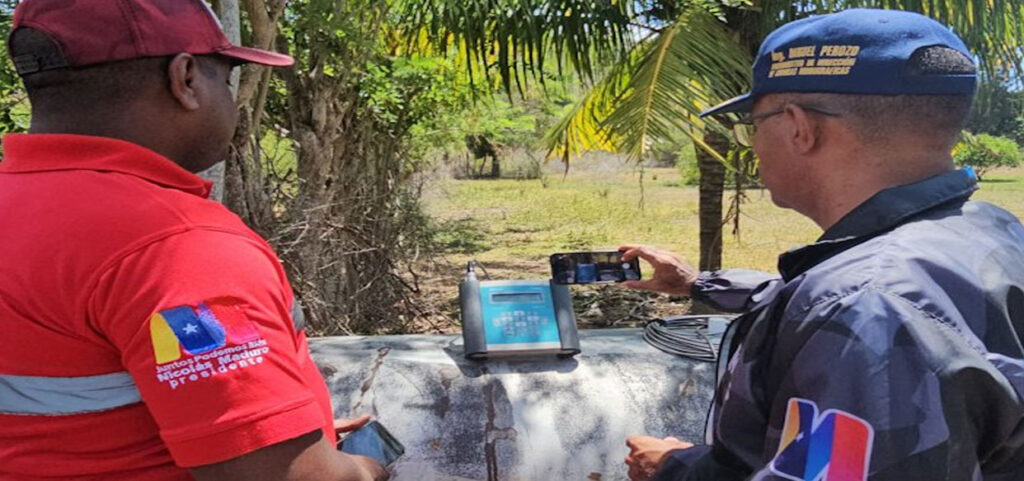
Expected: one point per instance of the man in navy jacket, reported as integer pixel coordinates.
(891, 348)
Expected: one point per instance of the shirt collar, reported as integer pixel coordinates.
(882, 212)
(53, 152)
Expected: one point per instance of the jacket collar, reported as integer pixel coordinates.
(880, 213)
(25, 153)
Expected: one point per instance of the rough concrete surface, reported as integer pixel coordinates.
(541, 419)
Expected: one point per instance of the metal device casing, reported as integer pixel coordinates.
(474, 323)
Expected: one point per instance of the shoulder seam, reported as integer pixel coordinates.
(119, 256)
(868, 280)
(856, 288)
(938, 320)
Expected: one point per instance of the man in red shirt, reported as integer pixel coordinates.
(145, 331)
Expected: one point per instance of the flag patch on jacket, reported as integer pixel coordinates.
(832, 446)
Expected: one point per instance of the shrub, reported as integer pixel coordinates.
(984, 152)
(687, 165)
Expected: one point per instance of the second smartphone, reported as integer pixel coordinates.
(592, 267)
(373, 441)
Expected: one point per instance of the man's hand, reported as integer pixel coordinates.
(370, 465)
(646, 454)
(310, 457)
(672, 274)
(342, 426)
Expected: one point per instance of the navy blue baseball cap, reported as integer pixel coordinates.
(857, 51)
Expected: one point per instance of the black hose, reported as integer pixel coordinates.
(685, 336)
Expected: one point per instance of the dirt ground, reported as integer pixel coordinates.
(596, 306)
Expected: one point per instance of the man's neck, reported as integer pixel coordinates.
(134, 132)
(97, 125)
(845, 188)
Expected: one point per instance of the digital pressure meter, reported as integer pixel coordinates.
(502, 318)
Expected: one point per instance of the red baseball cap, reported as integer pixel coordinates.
(91, 32)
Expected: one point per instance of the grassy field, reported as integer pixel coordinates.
(512, 226)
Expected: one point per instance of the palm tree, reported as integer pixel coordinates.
(653, 65)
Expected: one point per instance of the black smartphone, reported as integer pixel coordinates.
(591, 267)
(372, 441)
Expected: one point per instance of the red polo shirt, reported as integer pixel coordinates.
(142, 326)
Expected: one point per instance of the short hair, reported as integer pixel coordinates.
(110, 84)
(106, 85)
(883, 118)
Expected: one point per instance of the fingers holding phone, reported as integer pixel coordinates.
(672, 274)
(371, 445)
(342, 426)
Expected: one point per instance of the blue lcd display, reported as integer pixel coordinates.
(519, 315)
(517, 297)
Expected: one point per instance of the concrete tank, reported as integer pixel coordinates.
(542, 419)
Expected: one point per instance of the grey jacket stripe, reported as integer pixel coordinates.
(54, 396)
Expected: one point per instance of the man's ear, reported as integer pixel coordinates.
(806, 129)
(183, 73)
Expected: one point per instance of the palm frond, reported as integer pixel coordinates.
(513, 38)
(581, 128)
(657, 92)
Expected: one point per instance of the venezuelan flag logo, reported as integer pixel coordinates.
(835, 446)
(197, 330)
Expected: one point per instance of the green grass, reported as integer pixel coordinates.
(514, 225)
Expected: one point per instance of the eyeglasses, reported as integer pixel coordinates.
(746, 127)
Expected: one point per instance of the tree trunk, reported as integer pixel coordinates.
(712, 184)
(245, 189)
(227, 11)
(495, 167)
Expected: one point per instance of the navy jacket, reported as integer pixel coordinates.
(891, 349)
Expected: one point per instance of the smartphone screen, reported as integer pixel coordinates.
(591, 267)
(372, 441)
